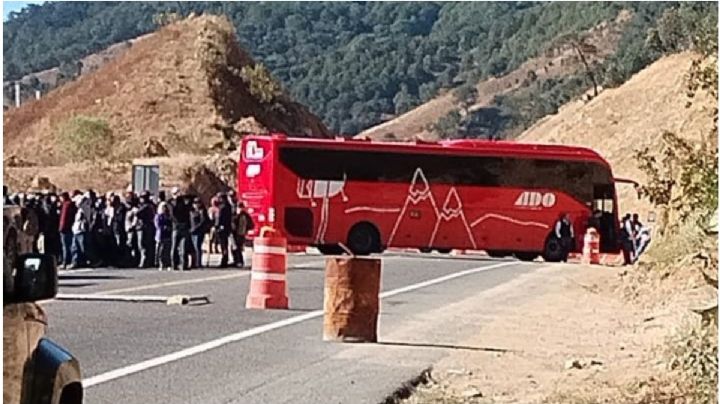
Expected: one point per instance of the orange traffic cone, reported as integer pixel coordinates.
(268, 286)
(591, 247)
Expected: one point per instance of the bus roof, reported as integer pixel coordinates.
(461, 146)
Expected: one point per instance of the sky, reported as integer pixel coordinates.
(9, 6)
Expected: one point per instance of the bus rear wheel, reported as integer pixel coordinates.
(444, 250)
(526, 256)
(553, 250)
(364, 239)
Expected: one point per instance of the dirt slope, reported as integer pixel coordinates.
(558, 62)
(628, 118)
(176, 85)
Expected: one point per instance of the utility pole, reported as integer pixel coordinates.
(17, 94)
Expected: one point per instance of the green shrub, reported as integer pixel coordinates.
(85, 138)
(261, 84)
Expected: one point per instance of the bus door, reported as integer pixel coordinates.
(603, 216)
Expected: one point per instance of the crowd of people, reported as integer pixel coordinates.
(83, 229)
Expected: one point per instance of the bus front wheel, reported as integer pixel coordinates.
(553, 250)
(364, 239)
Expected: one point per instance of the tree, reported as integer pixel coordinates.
(583, 50)
(403, 100)
(447, 126)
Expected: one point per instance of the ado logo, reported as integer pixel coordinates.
(532, 199)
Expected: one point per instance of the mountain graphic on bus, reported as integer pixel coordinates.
(413, 218)
(451, 221)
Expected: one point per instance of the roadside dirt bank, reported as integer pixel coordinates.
(566, 332)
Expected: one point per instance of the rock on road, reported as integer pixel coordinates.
(223, 353)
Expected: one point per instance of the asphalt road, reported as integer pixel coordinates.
(223, 353)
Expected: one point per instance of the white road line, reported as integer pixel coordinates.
(184, 282)
(184, 353)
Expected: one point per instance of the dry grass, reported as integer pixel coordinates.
(630, 117)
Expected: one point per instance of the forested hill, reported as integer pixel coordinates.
(353, 64)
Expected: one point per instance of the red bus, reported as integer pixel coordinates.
(501, 197)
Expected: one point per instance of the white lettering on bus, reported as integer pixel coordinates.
(536, 199)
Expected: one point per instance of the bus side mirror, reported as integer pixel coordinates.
(36, 278)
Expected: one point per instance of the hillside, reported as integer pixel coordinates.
(181, 86)
(353, 64)
(622, 120)
(560, 61)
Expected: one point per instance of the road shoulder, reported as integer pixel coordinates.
(563, 327)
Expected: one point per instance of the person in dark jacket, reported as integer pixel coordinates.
(65, 224)
(180, 211)
(223, 227)
(163, 236)
(117, 229)
(564, 232)
(242, 223)
(52, 223)
(199, 224)
(146, 230)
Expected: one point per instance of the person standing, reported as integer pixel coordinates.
(163, 236)
(117, 229)
(565, 234)
(65, 226)
(242, 223)
(131, 228)
(52, 223)
(223, 228)
(180, 211)
(146, 230)
(80, 229)
(627, 239)
(199, 224)
(214, 246)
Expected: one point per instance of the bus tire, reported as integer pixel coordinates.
(363, 239)
(497, 253)
(425, 250)
(526, 256)
(330, 249)
(553, 250)
(444, 250)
